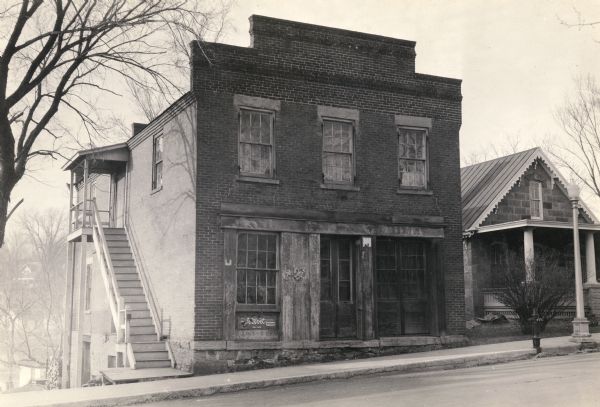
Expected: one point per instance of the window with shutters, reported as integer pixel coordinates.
(257, 267)
(338, 151)
(256, 143)
(412, 157)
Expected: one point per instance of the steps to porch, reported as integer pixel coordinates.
(148, 350)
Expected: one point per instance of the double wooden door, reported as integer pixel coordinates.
(403, 287)
(338, 292)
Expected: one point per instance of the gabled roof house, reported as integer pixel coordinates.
(518, 202)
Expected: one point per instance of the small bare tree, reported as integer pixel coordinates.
(548, 290)
(55, 54)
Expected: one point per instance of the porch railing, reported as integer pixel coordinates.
(491, 305)
(81, 217)
(115, 301)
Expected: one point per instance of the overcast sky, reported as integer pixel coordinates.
(516, 59)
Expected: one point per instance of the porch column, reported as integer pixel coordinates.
(529, 252)
(590, 258)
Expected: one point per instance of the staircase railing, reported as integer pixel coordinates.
(155, 311)
(115, 301)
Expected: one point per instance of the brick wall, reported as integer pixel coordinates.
(304, 66)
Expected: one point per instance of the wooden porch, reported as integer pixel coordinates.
(97, 175)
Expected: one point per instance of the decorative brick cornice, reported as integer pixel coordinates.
(250, 61)
(285, 31)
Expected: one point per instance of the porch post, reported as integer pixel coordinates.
(85, 192)
(71, 201)
(590, 258)
(581, 331)
(529, 252)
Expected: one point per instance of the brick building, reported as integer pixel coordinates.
(302, 201)
(519, 204)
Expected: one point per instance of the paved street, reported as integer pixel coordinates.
(558, 381)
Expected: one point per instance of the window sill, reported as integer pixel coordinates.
(403, 191)
(256, 308)
(243, 178)
(343, 187)
(155, 190)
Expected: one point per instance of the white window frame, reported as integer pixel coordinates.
(276, 271)
(156, 182)
(424, 160)
(272, 144)
(351, 153)
(532, 200)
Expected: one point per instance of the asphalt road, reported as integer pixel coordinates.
(559, 381)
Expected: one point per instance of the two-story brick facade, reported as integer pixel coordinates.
(319, 187)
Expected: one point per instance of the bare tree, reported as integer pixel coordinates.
(578, 149)
(31, 300)
(15, 301)
(509, 145)
(56, 54)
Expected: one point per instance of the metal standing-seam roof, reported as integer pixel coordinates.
(484, 185)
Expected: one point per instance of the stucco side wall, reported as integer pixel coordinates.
(161, 224)
(97, 320)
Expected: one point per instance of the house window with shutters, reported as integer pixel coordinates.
(412, 157)
(157, 162)
(338, 152)
(257, 267)
(256, 143)
(535, 200)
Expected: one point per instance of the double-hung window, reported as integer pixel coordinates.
(412, 157)
(338, 151)
(157, 162)
(535, 199)
(256, 143)
(257, 267)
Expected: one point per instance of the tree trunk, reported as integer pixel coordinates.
(4, 201)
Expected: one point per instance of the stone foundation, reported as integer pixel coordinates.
(183, 353)
(231, 356)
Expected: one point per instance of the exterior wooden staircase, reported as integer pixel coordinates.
(149, 350)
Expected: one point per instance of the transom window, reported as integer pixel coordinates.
(157, 162)
(535, 199)
(338, 149)
(256, 143)
(412, 157)
(257, 268)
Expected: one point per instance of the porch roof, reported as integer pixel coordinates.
(115, 153)
(536, 223)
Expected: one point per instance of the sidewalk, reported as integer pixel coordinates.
(198, 386)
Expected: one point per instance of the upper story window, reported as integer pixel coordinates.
(256, 143)
(257, 267)
(412, 157)
(338, 151)
(535, 200)
(157, 162)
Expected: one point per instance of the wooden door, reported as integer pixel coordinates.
(118, 206)
(338, 306)
(403, 292)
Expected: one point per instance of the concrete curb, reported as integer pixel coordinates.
(178, 389)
